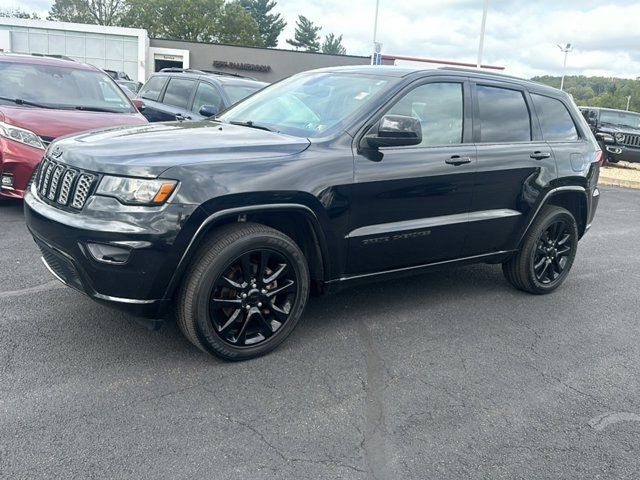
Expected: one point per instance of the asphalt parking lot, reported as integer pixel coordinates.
(445, 376)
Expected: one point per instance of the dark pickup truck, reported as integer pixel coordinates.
(617, 131)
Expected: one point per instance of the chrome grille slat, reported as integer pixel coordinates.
(55, 179)
(65, 189)
(66, 186)
(82, 190)
(631, 140)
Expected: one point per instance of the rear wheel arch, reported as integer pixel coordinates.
(575, 201)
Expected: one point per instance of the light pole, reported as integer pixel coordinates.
(566, 49)
(628, 101)
(376, 47)
(482, 28)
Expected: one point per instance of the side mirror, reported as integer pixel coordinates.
(396, 131)
(208, 110)
(139, 104)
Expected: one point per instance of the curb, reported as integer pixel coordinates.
(616, 182)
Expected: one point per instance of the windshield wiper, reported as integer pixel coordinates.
(96, 109)
(19, 101)
(250, 124)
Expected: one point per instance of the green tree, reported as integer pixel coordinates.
(98, 12)
(306, 35)
(270, 25)
(17, 13)
(194, 20)
(333, 45)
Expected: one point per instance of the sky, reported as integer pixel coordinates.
(520, 35)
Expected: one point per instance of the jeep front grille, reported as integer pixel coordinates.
(631, 140)
(63, 185)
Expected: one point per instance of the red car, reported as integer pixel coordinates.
(42, 98)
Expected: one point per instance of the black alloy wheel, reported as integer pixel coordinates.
(552, 252)
(547, 253)
(244, 293)
(253, 297)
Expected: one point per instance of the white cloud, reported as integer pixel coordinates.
(521, 35)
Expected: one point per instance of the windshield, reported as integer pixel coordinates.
(620, 118)
(61, 87)
(238, 92)
(307, 105)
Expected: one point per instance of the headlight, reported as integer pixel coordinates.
(21, 135)
(137, 191)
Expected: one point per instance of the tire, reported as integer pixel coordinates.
(547, 253)
(244, 292)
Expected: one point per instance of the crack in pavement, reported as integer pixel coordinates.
(603, 421)
(45, 287)
(376, 450)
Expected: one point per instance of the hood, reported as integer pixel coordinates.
(610, 128)
(147, 151)
(51, 124)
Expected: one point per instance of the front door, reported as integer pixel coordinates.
(410, 204)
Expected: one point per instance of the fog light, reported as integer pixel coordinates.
(108, 253)
(7, 181)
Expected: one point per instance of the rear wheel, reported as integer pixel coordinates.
(547, 252)
(245, 292)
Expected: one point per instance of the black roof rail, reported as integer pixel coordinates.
(204, 72)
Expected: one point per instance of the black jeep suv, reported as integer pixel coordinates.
(330, 177)
(617, 131)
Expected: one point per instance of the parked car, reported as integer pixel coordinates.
(130, 85)
(618, 132)
(42, 98)
(184, 94)
(328, 178)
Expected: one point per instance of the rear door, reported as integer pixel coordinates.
(177, 98)
(410, 204)
(514, 165)
(151, 93)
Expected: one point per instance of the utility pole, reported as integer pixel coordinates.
(482, 28)
(566, 49)
(376, 47)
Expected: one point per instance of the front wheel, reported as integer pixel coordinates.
(547, 253)
(245, 292)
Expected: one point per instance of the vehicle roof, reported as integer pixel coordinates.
(43, 60)
(395, 71)
(214, 77)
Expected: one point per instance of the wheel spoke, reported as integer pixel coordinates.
(266, 324)
(274, 276)
(242, 333)
(262, 269)
(279, 313)
(226, 303)
(227, 282)
(564, 239)
(542, 261)
(544, 271)
(563, 251)
(245, 264)
(231, 320)
(287, 287)
(558, 231)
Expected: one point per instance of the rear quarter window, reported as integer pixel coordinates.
(555, 120)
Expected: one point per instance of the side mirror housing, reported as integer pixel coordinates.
(208, 110)
(395, 131)
(139, 104)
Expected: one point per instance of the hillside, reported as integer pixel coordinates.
(598, 91)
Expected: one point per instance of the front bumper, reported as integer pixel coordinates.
(150, 234)
(18, 162)
(624, 153)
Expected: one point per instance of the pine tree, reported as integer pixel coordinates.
(270, 25)
(333, 45)
(306, 35)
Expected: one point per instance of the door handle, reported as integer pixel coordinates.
(537, 155)
(181, 117)
(457, 160)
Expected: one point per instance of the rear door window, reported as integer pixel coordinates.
(555, 120)
(504, 116)
(178, 92)
(151, 90)
(207, 94)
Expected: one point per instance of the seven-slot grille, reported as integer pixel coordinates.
(64, 185)
(631, 140)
